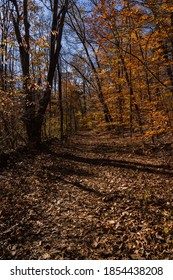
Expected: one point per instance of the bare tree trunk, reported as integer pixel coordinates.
(60, 101)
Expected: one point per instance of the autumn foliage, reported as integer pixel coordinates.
(86, 116)
(116, 69)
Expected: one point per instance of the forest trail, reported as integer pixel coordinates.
(95, 197)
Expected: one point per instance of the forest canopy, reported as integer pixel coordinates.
(67, 65)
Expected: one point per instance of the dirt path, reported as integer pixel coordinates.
(93, 198)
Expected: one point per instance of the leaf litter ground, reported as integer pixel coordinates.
(95, 197)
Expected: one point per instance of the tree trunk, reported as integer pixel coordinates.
(33, 119)
(60, 101)
(33, 128)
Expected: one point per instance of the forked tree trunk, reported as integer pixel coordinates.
(33, 119)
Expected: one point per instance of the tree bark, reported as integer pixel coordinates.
(60, 101)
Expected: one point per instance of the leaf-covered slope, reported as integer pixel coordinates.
(93, 198)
